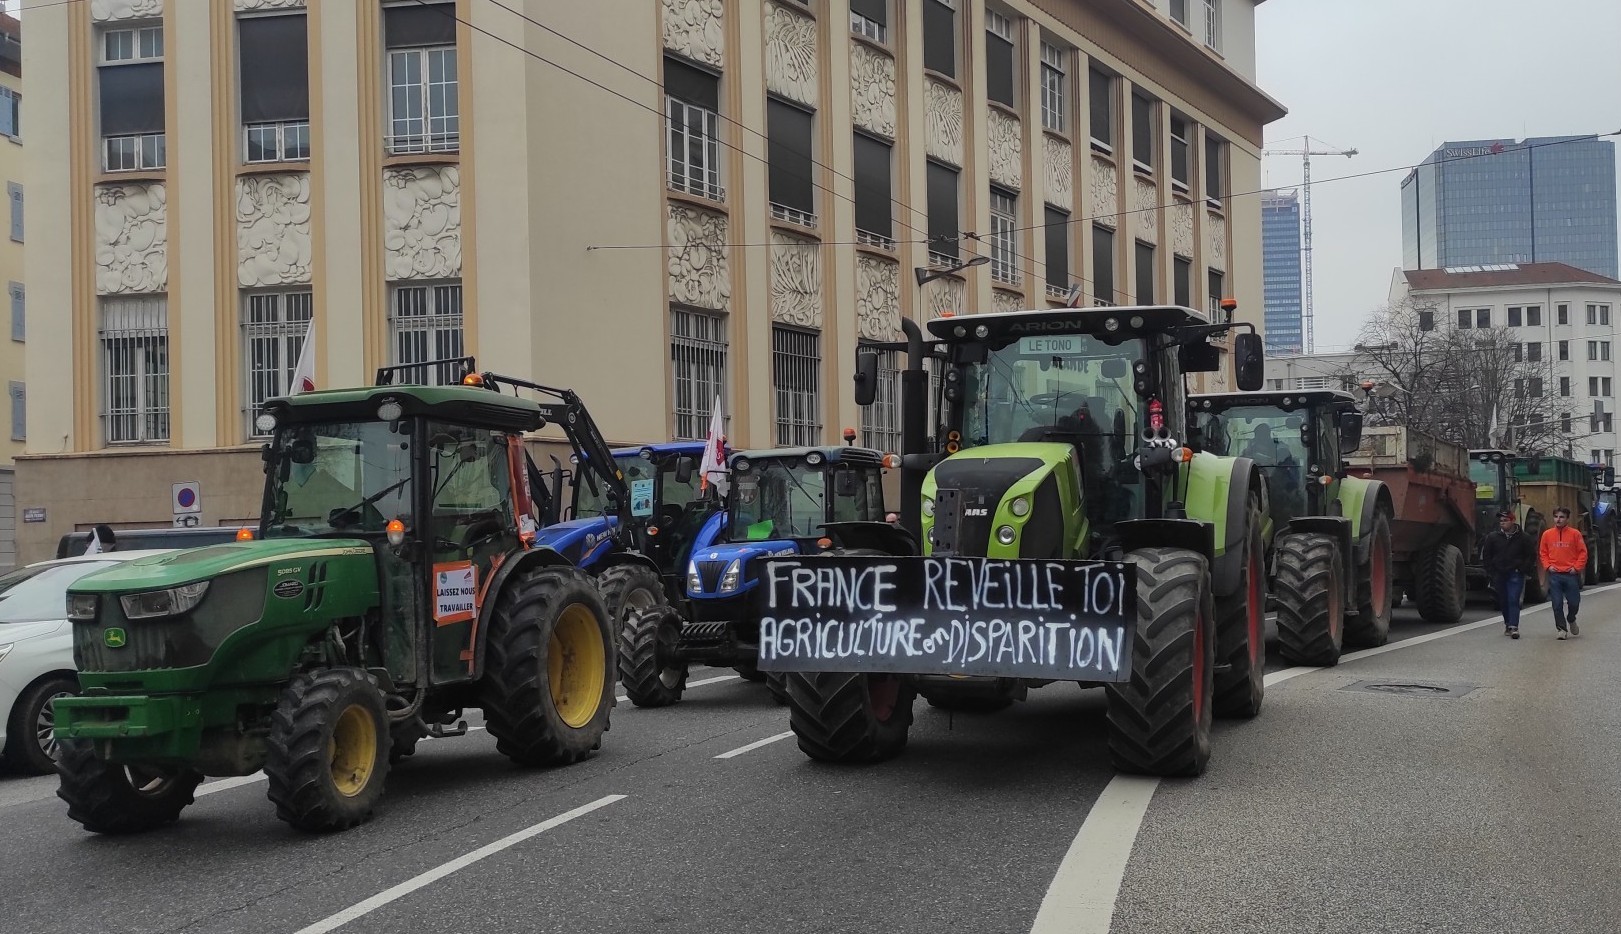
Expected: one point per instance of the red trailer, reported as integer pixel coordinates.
(1434, 526)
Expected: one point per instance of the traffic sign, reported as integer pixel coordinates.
(188, 498)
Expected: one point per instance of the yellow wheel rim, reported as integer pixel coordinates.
(575, 662)
(353, 750)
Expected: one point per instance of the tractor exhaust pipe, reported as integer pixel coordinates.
(914, 414)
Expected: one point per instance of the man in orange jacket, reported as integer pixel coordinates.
(1563, 556)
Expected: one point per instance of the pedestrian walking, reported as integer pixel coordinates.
(1563, 558)
(1509, 555)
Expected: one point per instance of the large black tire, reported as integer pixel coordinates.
(1159, 721)
(750, 671)
(1371, 625)
(1606, 566)
(114, 799)
(849, 718)
(627, 587)
(548, 682)
(648, 669)
(30, 746)
(1311, 600)
(328, 750)
(1241, 631)
(971, 696)
(777, 683)
(1440, 584)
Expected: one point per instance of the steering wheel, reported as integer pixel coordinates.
(668, 516)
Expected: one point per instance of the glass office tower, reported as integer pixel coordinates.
(1280, 270)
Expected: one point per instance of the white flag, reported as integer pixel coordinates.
(712, 469)
(304, 372)
(95, 543)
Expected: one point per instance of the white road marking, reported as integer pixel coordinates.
(754, 745)
(433, 875)
(695, 684)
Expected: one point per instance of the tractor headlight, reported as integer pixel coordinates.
(1006, 535)
(928, 508)
(82, 606)
(728, 581)
(1020, 507)
(156, 603)
(695, 583)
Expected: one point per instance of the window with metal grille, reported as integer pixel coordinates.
(131, 100)
(1004, 218)
(274, 325)
(1180, 130)
(1057, 259)
(424, 106)
(135, 369)
(698, 366)
(1100, 93)
(942, 205)
(999, 83)
(11, 113)
(881, 421)
(692, 111)
(1054, 66)
(788, 157)
(1212, 23)
(1142, 132)
(1102, 265)
(19, 411)
(874, 224)
(1145, 273)
(426, 321)
(1215, 170)
(273, 60)
(870, 18)
(796, 368)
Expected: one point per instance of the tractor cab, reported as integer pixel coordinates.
(1496, 487)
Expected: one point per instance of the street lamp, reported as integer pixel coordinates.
(925, 275)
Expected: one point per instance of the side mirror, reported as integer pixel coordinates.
(1350, 431)
(866, 377)
(684, 469)
(1249, 361)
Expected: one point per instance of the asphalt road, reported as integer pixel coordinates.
(1492, 807)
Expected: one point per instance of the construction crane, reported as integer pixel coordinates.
(1305, 155)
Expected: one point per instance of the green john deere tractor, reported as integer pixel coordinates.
(1058, 513)
(1329, 533)
(393, 582)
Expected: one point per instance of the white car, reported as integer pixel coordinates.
(36, 653)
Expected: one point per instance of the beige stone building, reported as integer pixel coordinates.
(651, 201)
(11, 272)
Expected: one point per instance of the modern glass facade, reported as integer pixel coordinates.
(1281, 272)
(1487, 202)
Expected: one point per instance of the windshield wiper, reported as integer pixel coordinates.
(368, 501)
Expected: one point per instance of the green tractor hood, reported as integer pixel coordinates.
(200, 564)
(1014, 500)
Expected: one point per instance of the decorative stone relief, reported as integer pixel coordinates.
(796, 281)
(790, 54)
(943, 295)
(1060, 172)
(1182, 229)
(693, 28)
(132, 239)
(698, 273)
(422, 222)
(272, 230)
(1145, 205)
(1005, 144)
(878, 298)
(942, 108)
(1007, 301)
(108, 11)
(872, 89)
(1105, 183)
(1216, 235)
(250, 6)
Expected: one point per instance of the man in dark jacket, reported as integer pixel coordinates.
(1509, 555)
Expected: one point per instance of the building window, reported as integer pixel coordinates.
(273, 57)
(1533, 316)
(999, 82)
(1182, 281)
(1217, 284)
(1004, 217)
(1564, 424)
(1054, 65)
(1536, 387)
(692, 107)
(135, 369)
(274, 326)
(1102, 265)
(1142, 133)
(1598, 350)
(11, 113)
(1519, 357)
(796, 365)
(1145, 273)
(1483, 318)
(1598, 314)
(1426, 319)
(870, 18)
(1564, 388)
(424, 107)
(1563, 312)
(19, 410)
(1212, 23)
(1180, 130)
(943, 219)
(788, 151)
(1465, 319)
(698, 366)
(426, 325)
(1533, 353)
(1057, 258)
(1215, 170)
(19, 312)
(1100, 96)
(881, 421)
(1513, 316)
(130, 80)
(940, 36)
(14, 193)
(874, 224)
(1564, 350)
(1179, 11)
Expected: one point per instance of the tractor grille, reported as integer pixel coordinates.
(233, 601)
(969, 491)
(709, 573)
(148, 644)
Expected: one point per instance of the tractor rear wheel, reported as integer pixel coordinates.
(648, 668)
(627, 588)
(119, 799)
(1371, 626)
(1441, 584)
(1311, 600)
(1241, 633)
(1606, 566)
(548, 682)
(776, 682)
(841, 717)
(328, 750)
(1159, 721)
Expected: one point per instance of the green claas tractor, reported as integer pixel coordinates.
(393, 582)
(1497, 489)
(1066, 535)
(1330, 547)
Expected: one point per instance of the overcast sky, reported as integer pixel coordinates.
(1395, 78)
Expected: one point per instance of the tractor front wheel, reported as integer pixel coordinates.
(120, 799)
(548, 680)
(1240, 631)
(328, 750)
(648, 668)
(1441, 584)
(1311, 601)
(1159, 721)
(1371, 626)
(849, 718)
(630, 588)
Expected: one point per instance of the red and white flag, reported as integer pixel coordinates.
(712, 468)
(304, 372)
